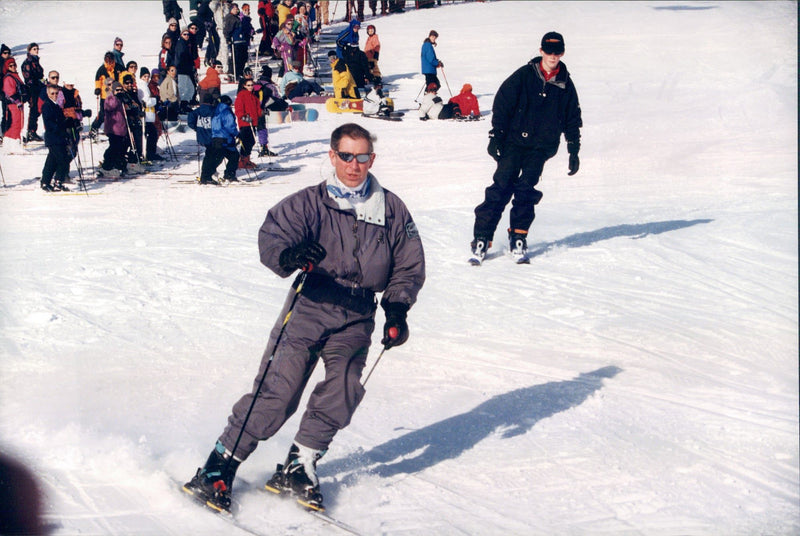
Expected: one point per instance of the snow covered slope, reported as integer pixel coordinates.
(640, 376)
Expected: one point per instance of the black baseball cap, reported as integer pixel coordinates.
(553, 43)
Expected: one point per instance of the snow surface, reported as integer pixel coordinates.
(640, 376)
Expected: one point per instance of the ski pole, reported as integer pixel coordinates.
(392, 334)
(300, 281)
(3, 175)
(446, 83)
(424, 85)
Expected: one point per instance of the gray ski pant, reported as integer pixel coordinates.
(337, 335)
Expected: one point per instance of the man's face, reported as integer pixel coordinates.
(352, 173)
(185, 35)
(550, 61)
(52, 94)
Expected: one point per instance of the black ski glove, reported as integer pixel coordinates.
(574, 162)
(304, 256)
(495, 148)
(395, 322)
(97, 91)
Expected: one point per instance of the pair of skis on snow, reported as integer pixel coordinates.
(231, 518)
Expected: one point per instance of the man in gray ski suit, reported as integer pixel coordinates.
(352, 239)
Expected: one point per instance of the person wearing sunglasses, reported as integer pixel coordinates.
(56, 165)
(351, 239)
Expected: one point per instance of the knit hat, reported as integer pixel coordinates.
(115, 85)
(155, 72)
(553, 43)
(432, 87)
(32, 45)
(466, 88)
(143, 71)
(4, 49)
(127, 78)
(172, 21)
(117, 41)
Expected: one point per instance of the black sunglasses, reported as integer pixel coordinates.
(362, 158)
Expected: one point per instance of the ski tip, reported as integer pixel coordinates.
(312, 506)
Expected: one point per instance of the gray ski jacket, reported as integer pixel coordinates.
(375, 250)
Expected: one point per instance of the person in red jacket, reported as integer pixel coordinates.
(247, 108)
(467, 102)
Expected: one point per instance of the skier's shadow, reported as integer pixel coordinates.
(510, 414)
(635, 231)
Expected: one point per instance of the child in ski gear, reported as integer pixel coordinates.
(56, 139)
(294, 85)
(372, 49)
(467, 102)
(432, 106)
(531, 110)
(344, 87)
(199, 120)
(429, 60)
(223, 141)
(376, 104)
(352, 239)
(33, 75)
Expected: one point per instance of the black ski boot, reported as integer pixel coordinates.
(211, 485)
(479, 247)
(266, 152)
(298, 477)
(518, 244)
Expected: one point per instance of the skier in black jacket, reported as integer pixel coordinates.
(531, 110)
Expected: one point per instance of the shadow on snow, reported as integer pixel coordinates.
(634, 231)
(510, 414)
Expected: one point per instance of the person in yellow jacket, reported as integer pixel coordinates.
(344, 87)
(109, 70)
(284, 9)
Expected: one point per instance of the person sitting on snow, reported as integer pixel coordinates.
(375, 103)
(433, 107)
(467, 102)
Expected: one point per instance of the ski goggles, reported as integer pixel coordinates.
(362, 158)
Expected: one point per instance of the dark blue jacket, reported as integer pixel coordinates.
(55, 132)
(531, 112)
(199, 120)
(347, 38)
(428, 58)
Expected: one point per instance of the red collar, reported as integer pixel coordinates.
(549, 76)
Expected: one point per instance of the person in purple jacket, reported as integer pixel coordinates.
(351, 238)
(116, 126)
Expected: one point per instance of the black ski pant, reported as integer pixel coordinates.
(247, 139)
(518, 171)
(33, 115)
(57, 163)
(114, 157)
(215, 154)
(151, 135)
(101, 114)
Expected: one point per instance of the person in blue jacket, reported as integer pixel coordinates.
(347, 38)
(223, 143)
(429, 60)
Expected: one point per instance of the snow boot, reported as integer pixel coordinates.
(32, 136)
(519, 246)
(266, 152)
(246, 163)
(209, 180)
(60, 187)
(47, 187)
(211, 485)
(479, 247)
(298, 477)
